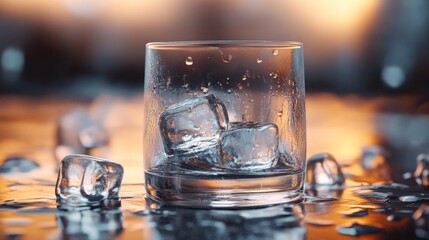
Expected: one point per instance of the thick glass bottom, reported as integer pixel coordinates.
(224, 191)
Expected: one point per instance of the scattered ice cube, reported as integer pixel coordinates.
(323, 170)
(421, 175)
(193, 125)
(249, 146)
(356, 229)
(85, 180)
(17, 165)
(373, 157)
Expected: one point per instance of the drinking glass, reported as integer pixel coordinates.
(224, 123)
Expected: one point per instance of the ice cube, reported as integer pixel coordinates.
(421, 175)
(193, 125)
(85, 180)
(323, 170)
(17, 165)
(373, 157)
(249, 146)
(78, 133)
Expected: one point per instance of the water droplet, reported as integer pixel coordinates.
(226, 58)
(356, 229)
(280, 113)
(240, 86)
(204, 89)
(189, 61)
(275, 52)
(319, 222)
(185, 85)
(259, 60)
(229, 91)
(355, 212)
(244, 78)
(275, 75)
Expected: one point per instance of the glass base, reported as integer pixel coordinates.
(224, 191)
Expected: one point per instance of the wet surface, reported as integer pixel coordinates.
(368, 204)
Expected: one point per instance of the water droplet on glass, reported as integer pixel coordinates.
(275, 52)
(229, 91)
(189, 61)
(244, 78)
(204, 89)
(280, 113)
(240, 86)
(275, 75)
(356, 229)
(226, 58)
(324, 170)
(259, 60)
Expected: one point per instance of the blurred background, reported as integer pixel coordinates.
(366, 63)
(87, 47)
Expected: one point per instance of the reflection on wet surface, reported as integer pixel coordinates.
(368, 204)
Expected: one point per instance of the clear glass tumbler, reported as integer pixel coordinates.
(224, 123)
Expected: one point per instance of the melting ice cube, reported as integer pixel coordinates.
(373, 157)
(323, 170)
(421, 175)
(193, 125)
(249, 146)
(84, 180)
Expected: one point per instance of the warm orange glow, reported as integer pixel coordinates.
(336, 24)
(339, 126)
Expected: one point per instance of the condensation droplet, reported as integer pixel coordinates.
(226, 58)
(244, 78)
(204, 89)
(259, 60)
(240, 86)
(229, 91)
(275, 52)
(189, 61)
(280, 113)
(275, 75)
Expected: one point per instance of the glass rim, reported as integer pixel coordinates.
(225, 44)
